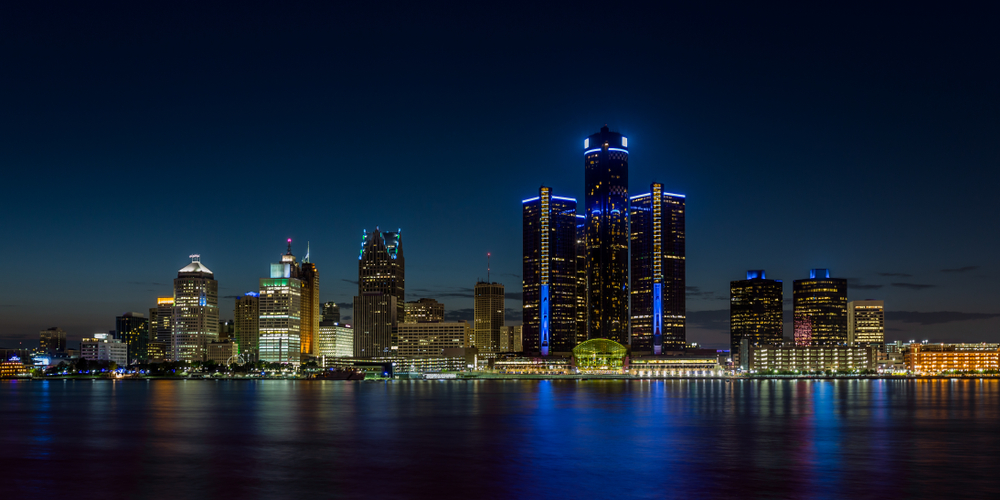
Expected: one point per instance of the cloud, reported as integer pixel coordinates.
(891, 275)
(716, 319)
(513, 314)
(345, 305)
(233, 297)
(935, 318)
(349, 281)
(913, 286)
(467, 314)
(146, 283)
(960, 269)
(345, 318)
(514, 295)
(857, 284)
(518, 276)
(696, 292)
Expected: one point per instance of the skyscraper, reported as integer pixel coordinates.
(423, 310)
(658, 295)
(488, 317)
(331, 312)
(52, 340)
(280, 320)
(161, 329)
(132, 329)
(550, 282)
(310, 304)
(246, 319)
(605, 159)
(582, 327)
(820, 309)
(378, 307)
(755, 312)
(866, 323)
(195, 314)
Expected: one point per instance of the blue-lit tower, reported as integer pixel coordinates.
(606, 196)
(658, 298)
(550, 274)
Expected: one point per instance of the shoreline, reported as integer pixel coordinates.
(536, 378)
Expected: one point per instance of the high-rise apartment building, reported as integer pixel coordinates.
(310, 304)
(280, 319)
(132, 329)
(605, 159)
(381, 294)
(488, 316)
(658, 295)
(431, 338)
(755, 313)
(195, 313)
(820, 309)
(550, 282)
(423, 310)
(246, 321)
(331, 312)
(866, 323)
(52, 340)
(161, 324)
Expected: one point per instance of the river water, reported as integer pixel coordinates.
(883, 439)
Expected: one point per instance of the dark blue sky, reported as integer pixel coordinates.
(863, 139)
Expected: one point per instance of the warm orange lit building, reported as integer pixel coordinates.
(13, 369)
(931, 359)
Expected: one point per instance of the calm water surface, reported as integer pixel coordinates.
(500, 439)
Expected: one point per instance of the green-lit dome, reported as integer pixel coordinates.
(601, 354)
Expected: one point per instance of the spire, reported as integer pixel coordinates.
(289, 247)
(306, 258)
(487, 267)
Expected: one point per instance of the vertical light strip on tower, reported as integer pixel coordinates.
(657, 204)
(545, 195)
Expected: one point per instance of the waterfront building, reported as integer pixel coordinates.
(431, 338)
(755, 313)
(866, 323)
(601, 355)
(676, 364)
(423, 310)
(157, 352)
(195, 313)
(605, 159)
(657, 276)
(934, 359)
(381, 294)
(280, 318)
(132, 329)
(14, 369)
(223, 352)
(534, 365)
(52, 340)
(246, 326)
(550, 285)
(488, 317)
(788, 358)
(335, 340)
(820, 309)
(103, 347)
(510, 339)
(161, 324)
(309, 276)
(330, 312)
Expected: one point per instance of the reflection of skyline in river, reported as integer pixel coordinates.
(501, 439)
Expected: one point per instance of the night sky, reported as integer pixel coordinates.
(861, 139)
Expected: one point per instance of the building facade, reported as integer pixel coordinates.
(132, 329)
(756, 312)
(550, 281)
(52, 340)
(820, 309)
(605, 160)
(933, 359)
(510, 339)
(195, 312)
(430, 339)
(330, 312)
(309, 276)
(423, 310)
(488, 317)
(335, 340)
(161, 328)
(775, 358)
(280, 319)
(866, 323)
(381, 294)
(246, 326)
(659, 306)
(223, 352)
(103, 347)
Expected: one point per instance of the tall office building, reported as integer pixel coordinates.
(423, 310)
(52, 340)
(488, 316)
(549, 273)
(605, 159)
(431, 338)
(820, 309)
(331, 312)
(162, 327)
(280, 319)
(246, 320)
(582, 327)
(510, 339)
(379, 305)
(866, 323)
(755, 313)
(132, 329)
(195, 314)
(310, 304)
(659, 306)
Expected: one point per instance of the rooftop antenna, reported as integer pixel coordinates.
(289, 246)
(487, 267)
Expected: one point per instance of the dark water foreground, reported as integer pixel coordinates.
(885, 439)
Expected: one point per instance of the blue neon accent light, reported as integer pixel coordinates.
(755, 274)
(640, 196)
(620, 150)
(675, 194)
(529, 200)
(657, 318)
(563, 198)
(544, 331)
(252, 294)
(581, 216)
(587, 152)
(822, 273)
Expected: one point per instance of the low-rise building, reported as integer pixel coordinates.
(431, 338)
(13, 369)
(932, 359)
(223, 352)
(814, 358)
(681, 365)
(102, 347)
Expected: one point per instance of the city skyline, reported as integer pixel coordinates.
(752, 139)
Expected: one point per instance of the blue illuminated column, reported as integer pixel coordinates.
(543, 331)
(657, 206)
(657, 318)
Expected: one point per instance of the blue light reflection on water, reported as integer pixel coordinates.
(503, 439)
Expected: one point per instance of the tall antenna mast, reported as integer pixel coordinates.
(488, 267)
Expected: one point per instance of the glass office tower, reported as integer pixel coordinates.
(755, 312)
(820, 309)
(379, 305)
